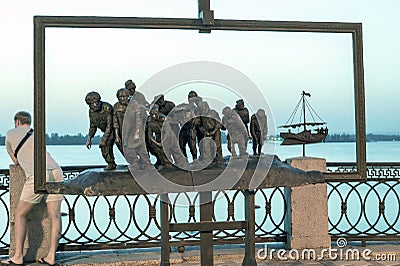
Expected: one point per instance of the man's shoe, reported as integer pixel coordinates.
(44, 262)
(10, 262)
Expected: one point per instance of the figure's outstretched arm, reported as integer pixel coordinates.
(92, 132)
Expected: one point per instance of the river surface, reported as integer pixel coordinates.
(385, 151)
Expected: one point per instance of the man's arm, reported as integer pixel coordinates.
(265, 130)
(108, 115)
(246, 116)
(253, 125)
(92, 132)
(155, 142)
(139, 118)
(11, 152)
(116, 126)
(217, 123)
(148, 132)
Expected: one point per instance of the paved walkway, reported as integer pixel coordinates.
(233, 256)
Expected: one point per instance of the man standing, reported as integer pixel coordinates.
(22, 154)
(101, 116)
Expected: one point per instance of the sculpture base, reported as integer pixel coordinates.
(308, 163)
(307, 219)
(238, 174)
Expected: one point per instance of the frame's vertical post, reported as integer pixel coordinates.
(204, 6)
(206, 237)
(39, 106)
(206, 15)
(250, 247)
(359, 96)
(164, 217)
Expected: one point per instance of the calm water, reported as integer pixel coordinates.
(67, 155)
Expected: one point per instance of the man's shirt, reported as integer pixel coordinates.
(26, 154)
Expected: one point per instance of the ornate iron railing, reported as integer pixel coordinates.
(375, 171)
(4, 211)
(364, 210)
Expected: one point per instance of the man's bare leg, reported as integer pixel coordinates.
(21, 212)
(53, 210)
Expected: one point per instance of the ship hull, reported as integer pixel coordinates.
(304, 137)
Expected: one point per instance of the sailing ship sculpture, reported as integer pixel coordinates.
(306, 136)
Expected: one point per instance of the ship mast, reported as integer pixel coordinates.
(303, 95)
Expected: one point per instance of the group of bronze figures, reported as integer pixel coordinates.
(164, 129)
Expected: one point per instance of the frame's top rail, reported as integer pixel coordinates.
(194, 24)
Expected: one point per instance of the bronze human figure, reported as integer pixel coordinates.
(244, 116)
(154, 125)
(243, 112)
(101, 116)
(185, 116)
(210, 125)
(236, 130)
(258, 130)
(135, 147)
(118, 116)
(164, 106)
(170, 142)
(134, 94)
(194, 100)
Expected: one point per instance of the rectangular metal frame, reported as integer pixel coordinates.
(43, 22)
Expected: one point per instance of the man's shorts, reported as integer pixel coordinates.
(28, 195)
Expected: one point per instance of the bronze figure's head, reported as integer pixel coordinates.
(123, 96)
(93, 100)
(131, 86)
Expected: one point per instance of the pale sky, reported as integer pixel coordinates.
(280, 64)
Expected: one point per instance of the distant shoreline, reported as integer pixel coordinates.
(80, 139)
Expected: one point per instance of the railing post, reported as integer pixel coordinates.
(250, 248)
(164, 217)
(206, 237)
